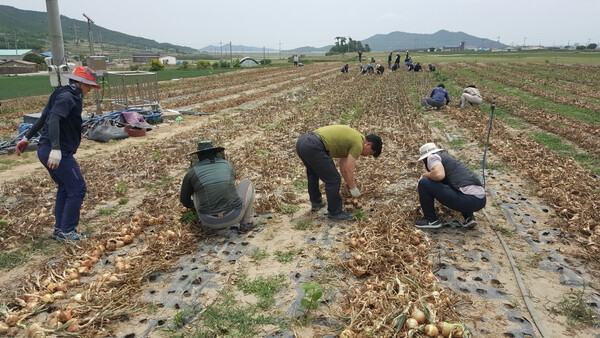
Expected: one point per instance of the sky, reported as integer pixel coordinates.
(283, 25)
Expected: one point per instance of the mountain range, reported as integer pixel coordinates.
(31, 31)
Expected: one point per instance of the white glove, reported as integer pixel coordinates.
(54, 158)
(355, 192)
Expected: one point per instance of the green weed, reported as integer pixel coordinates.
(313, 292)
(504, 231)
(258, 255)
(122, 201)
(304, 224)
(121, 188)
(360, 215)
(288, 208)
(229, 318)
(189, 216)
(577, 310)
(286, 257)
(300, 185)
(263, 288)
(9, 260)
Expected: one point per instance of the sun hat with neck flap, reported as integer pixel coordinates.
(204, 146)
(85, 75)
(428, 149)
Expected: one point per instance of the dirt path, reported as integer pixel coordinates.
(501, 279)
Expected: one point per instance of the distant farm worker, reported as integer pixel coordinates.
(436, 98)
(431, 67)
(318, 148)
(210, 188)
(296, 60)
(359, 56)
(397, 60)
(417, 67)
(379, 69)
(372, 59)
(60, 125)
(451, 183)
(345, 68)
(390, 61)
(471, 96)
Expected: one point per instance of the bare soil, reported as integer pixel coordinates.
(535, 243)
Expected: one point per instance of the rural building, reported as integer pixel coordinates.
(455, 47)
(145, 57)
(13, 54)
(17, 67)
(168, 60)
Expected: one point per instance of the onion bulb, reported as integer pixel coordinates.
(412, 323)
(64, 316)
(431, 330)
(418, 315)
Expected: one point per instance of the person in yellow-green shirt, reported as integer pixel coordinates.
(318, 148)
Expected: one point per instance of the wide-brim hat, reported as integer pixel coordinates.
(85, 75)
(204, 146)
(428, 149)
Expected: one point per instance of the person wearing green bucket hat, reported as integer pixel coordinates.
(210, 188)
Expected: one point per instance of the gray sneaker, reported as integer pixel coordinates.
(70, 236)
(424, 223)
(318, 206)
(341, 216)
(470, 222)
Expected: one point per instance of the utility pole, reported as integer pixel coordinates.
(90, 22)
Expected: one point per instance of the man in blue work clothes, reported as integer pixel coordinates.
(60, 125)
(436, 98)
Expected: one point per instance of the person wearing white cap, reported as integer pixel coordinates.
(451, 183)
(60, 125)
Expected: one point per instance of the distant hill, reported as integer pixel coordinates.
(31, 30)
(395, 41)
(398, 41)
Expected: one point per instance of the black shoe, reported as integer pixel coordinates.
(247, 227)
(55, 233)
(424, 223)
(470, 222)
(318, 206)
(341, 216)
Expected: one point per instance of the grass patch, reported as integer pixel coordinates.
(258, 255)
(360, 215)
(300, 185)
(106, 211)
(121, 188)
(304, 224)
(287, 256)
(9, 260)
(285, 208)
(504, 231)
(457, 143)
(231, 318)
(574, 306)
(189, 216)
(263, 288)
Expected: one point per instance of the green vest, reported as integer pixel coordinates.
(214, 186)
